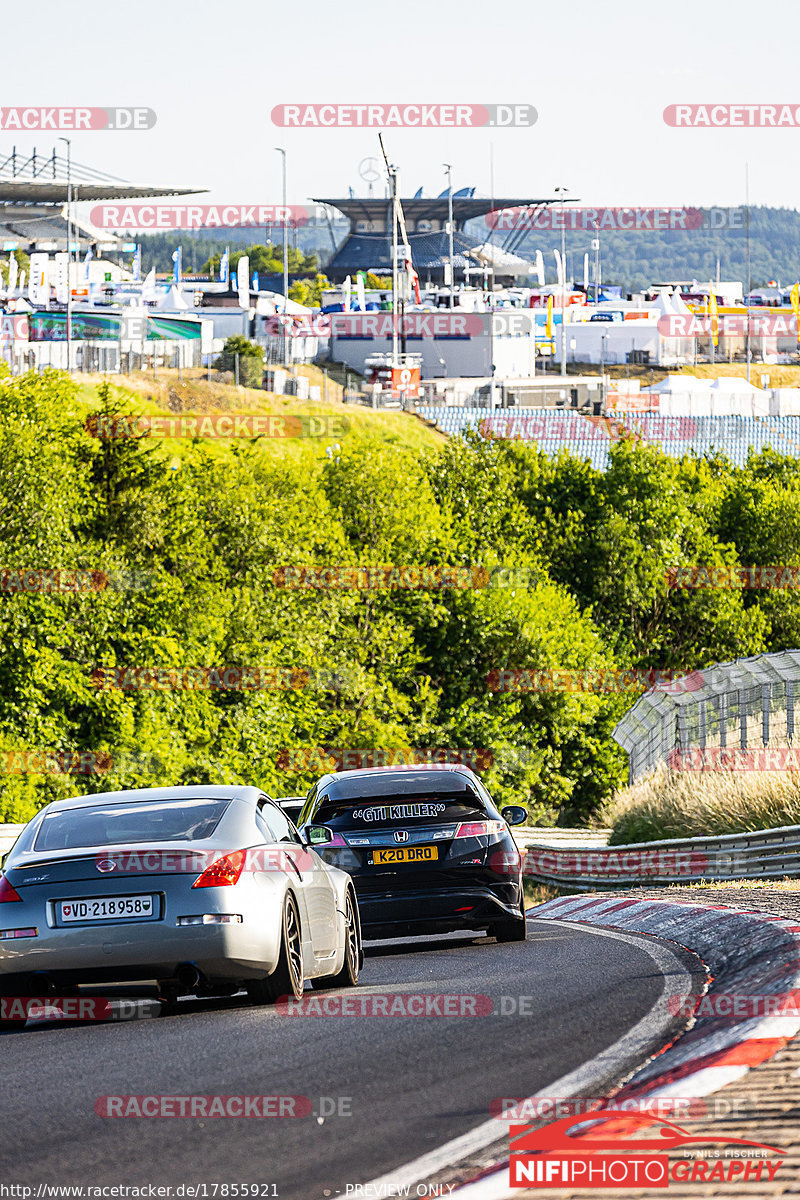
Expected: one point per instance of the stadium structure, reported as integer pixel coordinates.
(34, 193)
(367, 246)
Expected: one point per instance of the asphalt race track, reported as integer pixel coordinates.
(396, 1088)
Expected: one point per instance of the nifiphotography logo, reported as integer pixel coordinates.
(601, 1150)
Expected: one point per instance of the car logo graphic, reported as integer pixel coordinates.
(401, 835)
(106, 864)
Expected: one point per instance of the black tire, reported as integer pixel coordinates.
(511, 930)
(288, 977)
(353, 954)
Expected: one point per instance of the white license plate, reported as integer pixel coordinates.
(109, 908)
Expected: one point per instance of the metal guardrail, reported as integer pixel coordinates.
(525, 835)
(765, 854)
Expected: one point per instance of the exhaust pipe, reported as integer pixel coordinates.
(188, 977)
(41, 984)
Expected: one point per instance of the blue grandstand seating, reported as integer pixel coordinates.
(553, 430)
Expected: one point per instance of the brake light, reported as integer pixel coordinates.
(336, 840)
(7, 892)
(505, 862)
(479, 828)
(224, 872)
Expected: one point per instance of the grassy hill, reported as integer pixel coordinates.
(347, 424)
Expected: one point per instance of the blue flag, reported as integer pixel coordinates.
(255, 281)
(224, 266)
(177, 255)
(137, 262)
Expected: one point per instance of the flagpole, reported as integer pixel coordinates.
(69, 253)
(447, 168)
(747, 240)
(282, 153)
(561, 191)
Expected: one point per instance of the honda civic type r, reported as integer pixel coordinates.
(426, 848)
(203, 889)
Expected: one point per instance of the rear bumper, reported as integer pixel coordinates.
(396, 914)
(152, 950)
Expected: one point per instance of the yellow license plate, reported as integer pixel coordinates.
(405, 854)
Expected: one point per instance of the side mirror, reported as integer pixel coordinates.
(317, 835)
(514, 814)
(3, 860)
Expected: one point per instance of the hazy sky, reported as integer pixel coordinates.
(599, 74)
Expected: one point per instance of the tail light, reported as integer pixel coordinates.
(505, 862)
(224, 872)
(7, 892)
(337, 853)
(479, 828)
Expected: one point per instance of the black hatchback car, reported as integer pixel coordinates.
(426, 847)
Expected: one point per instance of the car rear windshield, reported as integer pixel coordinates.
(115, 824)
(374, 812)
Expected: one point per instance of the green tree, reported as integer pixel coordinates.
(250, 359)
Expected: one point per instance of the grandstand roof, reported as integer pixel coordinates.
(44, 179)
(418, 208)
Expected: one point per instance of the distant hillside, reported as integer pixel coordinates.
(633, 259)
(637, 258)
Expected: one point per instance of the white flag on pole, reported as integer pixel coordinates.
(243, 282)
(559, 269)
(62, 277)
(39, 285)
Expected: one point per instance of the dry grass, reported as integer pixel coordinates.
(674, 804)
(779, 375)
(194, 393)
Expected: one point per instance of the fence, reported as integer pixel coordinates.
(743, 704)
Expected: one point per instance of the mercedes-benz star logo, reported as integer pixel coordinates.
(369, 170)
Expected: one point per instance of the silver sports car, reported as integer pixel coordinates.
(204, 890)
